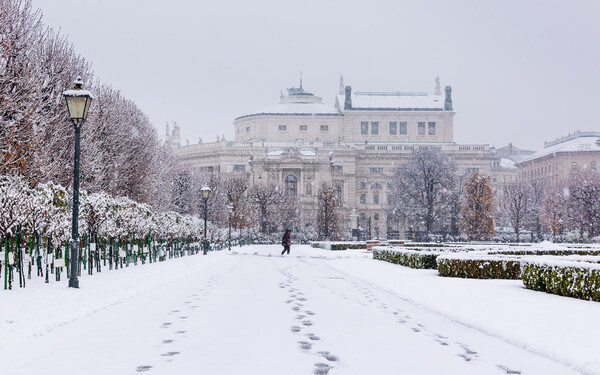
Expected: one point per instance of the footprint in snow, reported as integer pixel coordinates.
(296, 329)
(310, 312)
(507, 370)
(301, 316)
(295, 308)
(165, 325)
(167, 341)
(169, 354)
(305, 345)
(313, 337)
(143, 368)
(307, 323)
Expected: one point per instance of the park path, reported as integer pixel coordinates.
(254, 313)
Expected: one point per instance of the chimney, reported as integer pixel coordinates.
(448, 102)
(348, 102)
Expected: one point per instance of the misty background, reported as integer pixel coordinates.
(521, 71)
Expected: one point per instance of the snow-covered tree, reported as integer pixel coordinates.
(424, 190)
(328, 216)
(477, 211)
(516, 204)
(265, 198)
(584, 202)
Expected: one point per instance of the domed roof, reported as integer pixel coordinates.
(298, 102)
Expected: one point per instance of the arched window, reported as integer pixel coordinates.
(376, 186)
(291, 185)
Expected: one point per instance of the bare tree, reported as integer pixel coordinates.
(424, 190)
(584, 202)
(516, 204)
(554, 213)
(328, 218)
(265, 198)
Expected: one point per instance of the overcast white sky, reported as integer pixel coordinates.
(522, 71)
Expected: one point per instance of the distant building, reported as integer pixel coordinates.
(561, 158)
(357, 145)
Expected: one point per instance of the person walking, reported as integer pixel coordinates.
(286, 242)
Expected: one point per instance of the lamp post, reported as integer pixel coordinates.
(241, 229)
(205, 195)
(230, 210)
(78, 103)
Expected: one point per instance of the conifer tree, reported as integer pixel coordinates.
(477, 209)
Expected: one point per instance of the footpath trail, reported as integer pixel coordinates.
(260, 313)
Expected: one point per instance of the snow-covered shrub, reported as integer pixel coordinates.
(408, 258)
(479, 266)
(562, 277)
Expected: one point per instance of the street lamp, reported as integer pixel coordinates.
(230, 210)
(78, 104)
(205, 195)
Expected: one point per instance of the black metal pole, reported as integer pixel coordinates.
(205, 244)
(73, 281)
(229, 232)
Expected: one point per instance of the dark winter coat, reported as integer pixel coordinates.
(286, 240)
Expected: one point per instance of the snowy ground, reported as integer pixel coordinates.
(313, 312)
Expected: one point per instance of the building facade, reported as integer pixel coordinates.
(356, 145)
(561, 158)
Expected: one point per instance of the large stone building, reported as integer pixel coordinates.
(561, 158)
(357, 145)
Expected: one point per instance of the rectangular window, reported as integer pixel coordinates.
(593, 165)
(363, 198)
(421, 128)
(376, 216)
(239, 167)
(364, 127)
(303, 127)
(209, 169)
(363, 216)
(324, 128)
(376, 170)
(574, 165)
(338, 168)
(403, 130)
(375, 128)
(393, 128)
(363, 185)
(389, 198)
(282, 127)
(247, 129)
(376, 198)
(431, 128)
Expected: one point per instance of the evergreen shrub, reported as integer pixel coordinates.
(562, 277)
(479, 266)
(408, 258)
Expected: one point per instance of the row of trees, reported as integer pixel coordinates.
(122, 154)
(264, 208)
(430, 194)
(44, 211)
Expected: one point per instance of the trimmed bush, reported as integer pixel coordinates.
(408, 258)
(479, 266)
(562, 277)
(336, 246)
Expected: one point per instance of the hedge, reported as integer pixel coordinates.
(408, 258)
(479, 266)
(562, 277)
(336, 246)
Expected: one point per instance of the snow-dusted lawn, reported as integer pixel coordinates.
(253, 312)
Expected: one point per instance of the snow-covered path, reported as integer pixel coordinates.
(244, 312)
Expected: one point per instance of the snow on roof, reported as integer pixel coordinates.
(299, 108)
(395, 100)
(578, 142)
(507, 163)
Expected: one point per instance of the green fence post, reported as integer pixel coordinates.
(5, 263)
